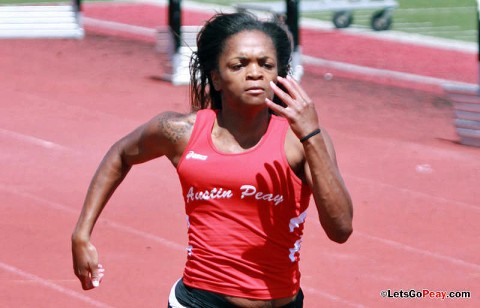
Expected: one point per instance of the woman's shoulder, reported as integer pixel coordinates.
(169, 119)
(174, 125)
(176, 128)
(178, 118)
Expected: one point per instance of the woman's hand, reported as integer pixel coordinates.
(299, 111)
(85, 264)
(332, 198)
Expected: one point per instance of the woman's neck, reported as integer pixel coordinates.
(244, 129)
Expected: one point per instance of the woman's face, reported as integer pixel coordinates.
(246, 66)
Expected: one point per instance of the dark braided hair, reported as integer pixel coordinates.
(211, 42)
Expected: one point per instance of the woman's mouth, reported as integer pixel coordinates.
(255, 90)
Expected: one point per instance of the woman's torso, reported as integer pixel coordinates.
(246, 212)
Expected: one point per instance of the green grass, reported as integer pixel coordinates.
(452, 19)
(449, 19)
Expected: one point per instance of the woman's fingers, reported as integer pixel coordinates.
(91, 277)
(293, 96)
(85, 279)
(299, 110)
(276, 108)
(289, 96)
(298, 88)
(86, 267)
(294, 89)
(284, 97)
(97, 275)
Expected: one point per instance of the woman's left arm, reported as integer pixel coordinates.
(331, 196)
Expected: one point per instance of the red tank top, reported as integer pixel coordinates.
(245, 214)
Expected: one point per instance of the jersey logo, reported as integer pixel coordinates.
(297, 221)
(193, 155)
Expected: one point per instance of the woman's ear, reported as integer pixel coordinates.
(215, 75)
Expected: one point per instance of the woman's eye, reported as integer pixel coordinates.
(267, 64)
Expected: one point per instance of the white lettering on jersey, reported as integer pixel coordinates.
(214, 193)
(193, 155)
(251, 191)
(248, 191)
(294, 250)
(296, 221)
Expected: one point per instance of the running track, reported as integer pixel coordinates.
(415, 190)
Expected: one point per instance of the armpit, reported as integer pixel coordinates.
(295, 155)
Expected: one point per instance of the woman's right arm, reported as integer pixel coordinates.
(165, 135)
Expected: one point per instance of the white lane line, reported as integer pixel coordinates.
(50, 285)
(130, 230)
(31, 139)
(377, 72)
(173, 245)
(177, 246)
(438, 199)
(346, 67)
(110, 223)
(397, 36)
(427, 253)
(145, 235)
(116, 26)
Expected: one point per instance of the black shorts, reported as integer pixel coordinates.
(183, 296)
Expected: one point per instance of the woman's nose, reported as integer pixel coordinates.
(254, 71)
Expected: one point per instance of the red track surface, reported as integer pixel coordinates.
(415, 190)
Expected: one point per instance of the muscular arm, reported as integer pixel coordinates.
(331, 197)
(317, 156)
(164, 135)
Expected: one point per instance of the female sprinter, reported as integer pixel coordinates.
(249, 156)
